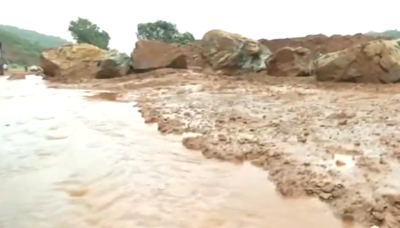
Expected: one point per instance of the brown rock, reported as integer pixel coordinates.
(325, 196)
(378, 215)
(232, 53)
(290, 62)
(77, 73)
(72, 61)
(373, 62)
(321, 43)
(193, 143)
(328, 188)
(151, 55)
(340, 163)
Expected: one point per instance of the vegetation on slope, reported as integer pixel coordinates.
(394, 34)
(23, 46)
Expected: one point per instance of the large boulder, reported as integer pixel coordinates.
(71, 60)
(77, 62)
(113, 64)
(289, 61)
(232, 54)
(150, 55)
(372, 62)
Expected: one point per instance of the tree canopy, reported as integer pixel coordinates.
(163, 31)
(22, 46)
(85, 31)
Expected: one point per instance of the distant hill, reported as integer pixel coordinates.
(23, 46)
(394, 34)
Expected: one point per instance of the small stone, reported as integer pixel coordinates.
(342, 122)
(328, 188)
(301, 139)
(378, 215)
(325, 196)
(340, 163)
(222, 138)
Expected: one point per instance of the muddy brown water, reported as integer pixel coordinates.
(68, 160)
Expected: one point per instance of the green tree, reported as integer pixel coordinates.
(163, 31)
(84, 31)
(185, 38)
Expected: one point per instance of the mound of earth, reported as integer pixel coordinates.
(372, 62)
(193, 54)
(323, 44)
(150, 55)
(290, 62)
(232, 53)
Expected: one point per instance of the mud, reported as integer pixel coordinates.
(193, 54)
(334, 142)
(322, 43)
(78, 158)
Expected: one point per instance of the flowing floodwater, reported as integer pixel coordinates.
(70, 161)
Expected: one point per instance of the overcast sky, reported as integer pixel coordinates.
(252, 18)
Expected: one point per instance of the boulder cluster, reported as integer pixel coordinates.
(351, 59)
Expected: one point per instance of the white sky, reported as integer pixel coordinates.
(252, 18)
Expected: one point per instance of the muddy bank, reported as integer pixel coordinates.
(336, 142)
(337, 146)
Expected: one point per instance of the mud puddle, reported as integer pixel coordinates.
(79, 159)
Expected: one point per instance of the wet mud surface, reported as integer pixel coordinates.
(78, 158)
(334, 142)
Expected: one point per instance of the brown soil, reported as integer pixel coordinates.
(319, 42)
(193, 55)
(337, 142)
